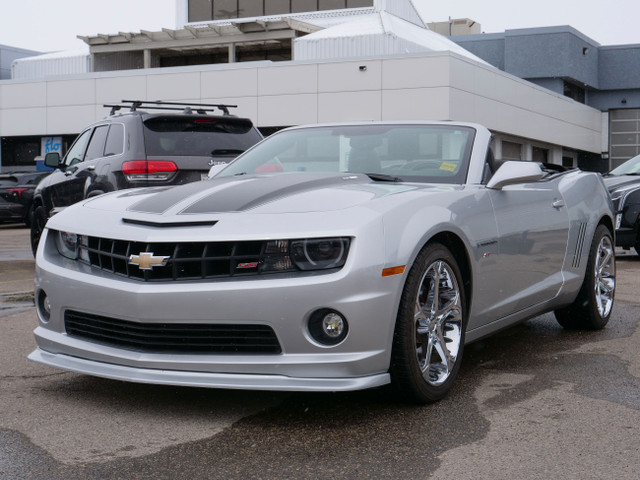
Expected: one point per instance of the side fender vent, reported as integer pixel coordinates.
(579, 245)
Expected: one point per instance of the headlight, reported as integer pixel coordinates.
(306, 254)
(67, 244)
(319, 253)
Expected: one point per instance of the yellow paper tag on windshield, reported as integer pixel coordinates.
(449, 167)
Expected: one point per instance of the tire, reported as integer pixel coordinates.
(27, 218)
(428, 340)
(38, 221)
(592, 307)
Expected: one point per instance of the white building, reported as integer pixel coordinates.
(375, 62)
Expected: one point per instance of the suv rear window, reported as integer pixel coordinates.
(198, 136)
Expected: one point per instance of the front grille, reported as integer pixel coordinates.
(185, 260)
(172, 338)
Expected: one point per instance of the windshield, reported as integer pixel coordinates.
(198, 136)
(630, 167)
(412, 153)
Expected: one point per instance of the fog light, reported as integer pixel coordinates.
(328, 327)
(332, 325)
(44, 306)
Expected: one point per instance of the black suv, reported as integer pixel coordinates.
(623, 183)
(141, 149)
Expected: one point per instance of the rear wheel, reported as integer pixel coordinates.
(429, 335)
(592, 307)
(38, 221)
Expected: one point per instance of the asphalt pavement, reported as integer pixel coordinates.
(533, 402)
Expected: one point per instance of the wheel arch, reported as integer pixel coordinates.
(607, 222)
(36, 202)
(458, 249)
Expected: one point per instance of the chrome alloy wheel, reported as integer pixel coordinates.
(605, 273)
(438, 322)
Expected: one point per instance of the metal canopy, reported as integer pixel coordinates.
(197, 36)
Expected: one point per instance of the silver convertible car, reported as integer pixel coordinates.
(326, 258)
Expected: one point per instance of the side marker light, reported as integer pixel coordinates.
(387, 272)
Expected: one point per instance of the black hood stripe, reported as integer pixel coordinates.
(239, 193)
(163, 201)
(260, 190)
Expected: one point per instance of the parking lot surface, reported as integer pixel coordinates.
(534, 401)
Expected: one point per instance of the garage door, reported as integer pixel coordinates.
(624, 130)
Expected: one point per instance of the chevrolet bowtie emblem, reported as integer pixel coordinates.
(147, 260)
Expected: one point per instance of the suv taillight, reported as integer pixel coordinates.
(16, 192)
(149, 170)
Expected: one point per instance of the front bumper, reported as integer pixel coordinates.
(368, 301)
(204, 379)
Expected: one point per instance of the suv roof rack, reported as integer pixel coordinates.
(188, 107)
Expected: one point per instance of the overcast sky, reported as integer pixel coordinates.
(51, 25)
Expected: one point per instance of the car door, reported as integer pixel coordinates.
(527, 257)
(79, 167)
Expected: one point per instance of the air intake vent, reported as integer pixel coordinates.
(172, 337)
(580, 245)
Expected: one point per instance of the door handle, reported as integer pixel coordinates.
(558, 204)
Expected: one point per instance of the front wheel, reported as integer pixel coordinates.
(429, 335)
(38, 221)
(592, 307)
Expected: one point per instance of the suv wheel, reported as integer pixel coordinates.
(38, 221)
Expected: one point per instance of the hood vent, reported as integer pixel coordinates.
(147, 223)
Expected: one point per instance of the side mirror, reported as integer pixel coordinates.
(52, 160)
(512, 173)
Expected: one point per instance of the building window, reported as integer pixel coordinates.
(225, 9)
(511, 151)
(540, 155)
(624, 135)
(277, 7)
(206, 10)
(250, 8)
(200, 10)
(298, 6)
(575, 92)
(331, 4)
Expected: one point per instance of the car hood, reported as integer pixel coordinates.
(617, 182)
(283, 193)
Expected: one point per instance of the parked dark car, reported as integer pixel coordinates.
(11, 212)
(18, 188)
(141, 149)
(623, 183)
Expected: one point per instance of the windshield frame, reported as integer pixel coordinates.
(381, 141)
